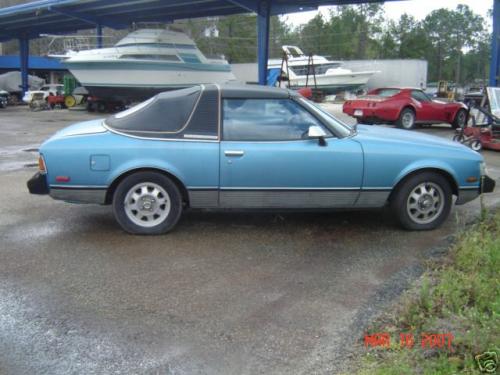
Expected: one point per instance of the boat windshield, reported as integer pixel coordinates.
(336, 126)
(294, 51)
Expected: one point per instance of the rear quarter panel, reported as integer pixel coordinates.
(195, 163)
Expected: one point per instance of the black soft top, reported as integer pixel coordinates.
(191, 113)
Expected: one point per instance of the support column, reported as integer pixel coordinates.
(99, 35)
(495, 58)
(263, 20)
(24, 52)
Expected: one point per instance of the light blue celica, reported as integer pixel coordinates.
(251, 147)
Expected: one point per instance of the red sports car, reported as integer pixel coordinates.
(405, 107)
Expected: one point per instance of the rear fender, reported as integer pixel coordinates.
(145, 164)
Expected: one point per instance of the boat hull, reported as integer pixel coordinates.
(141, 81)
(333, 84)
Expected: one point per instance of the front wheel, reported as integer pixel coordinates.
(147, 203)
(476, 145)
(423, 201)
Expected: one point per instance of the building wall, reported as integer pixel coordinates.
(399, 73)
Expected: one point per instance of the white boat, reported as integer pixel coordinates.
(331, 77)
(145, 62)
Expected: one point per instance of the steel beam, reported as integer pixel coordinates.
(263, 20)
(87, 18)
(495, 58)
(24, 53)
(99, 35)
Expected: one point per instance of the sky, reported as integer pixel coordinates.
(418, 8)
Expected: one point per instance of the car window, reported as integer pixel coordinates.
(420, 96)
(266, 120)
(386, 93)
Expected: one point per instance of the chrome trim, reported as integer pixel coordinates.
(234, 153)
(468, 187)
(161, 139)
(287, 199)
(203, 198)
(195, 136)
(291, 188)
(372, 198)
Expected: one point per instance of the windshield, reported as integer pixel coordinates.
(338, 128)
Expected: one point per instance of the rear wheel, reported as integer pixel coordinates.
(476, 145)
(458, 138)
(147, 203)
(406, 119)
(423, 201)
(460, 119)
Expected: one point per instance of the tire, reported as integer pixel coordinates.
(69, 101)
(406, 119)
(160, 199)
(458, 138)
(460, 120)
(423, 201)
(476, 145)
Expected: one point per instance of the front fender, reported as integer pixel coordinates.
(426, 164)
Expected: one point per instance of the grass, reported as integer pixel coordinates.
(458, 295)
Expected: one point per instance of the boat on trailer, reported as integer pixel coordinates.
(144, 63)
(317, 71)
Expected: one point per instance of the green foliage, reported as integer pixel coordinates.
(461, 297)
(454, 42)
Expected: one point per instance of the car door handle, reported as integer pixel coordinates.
(234, 153)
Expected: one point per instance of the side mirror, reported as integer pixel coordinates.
(317, 132)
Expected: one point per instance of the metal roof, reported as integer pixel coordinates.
(64, 16)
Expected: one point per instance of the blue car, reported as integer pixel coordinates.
(251, 147)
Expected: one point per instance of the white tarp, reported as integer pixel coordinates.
(12, 81)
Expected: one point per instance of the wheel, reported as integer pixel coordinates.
(69, 101)
(476, 145)
(458, 138)
(460, 119)
(147, 203)
(406, 119)
(423, 201)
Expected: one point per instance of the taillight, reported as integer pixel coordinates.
(41, 165)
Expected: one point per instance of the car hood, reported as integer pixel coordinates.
(382, 133)
(82, 128)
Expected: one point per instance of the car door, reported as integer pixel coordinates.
(429, 110)
(267, 160)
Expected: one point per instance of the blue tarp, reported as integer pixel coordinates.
(35, 62)
(272, 76)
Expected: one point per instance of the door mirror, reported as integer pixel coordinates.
(317, 132)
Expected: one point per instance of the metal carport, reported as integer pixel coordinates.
(28, 21)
